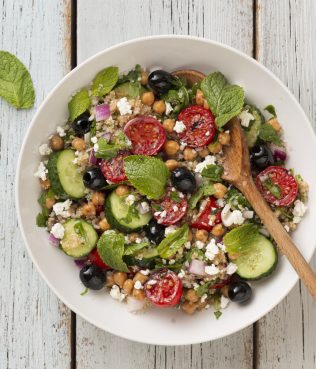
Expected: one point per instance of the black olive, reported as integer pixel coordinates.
(261, 156)
(239, 291)
(183, 180)
(92, 276)
(94, 179)
(161, 81)
(155, 232)
(82, 124)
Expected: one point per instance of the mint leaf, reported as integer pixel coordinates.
(84, 292)
(147, 174)
(272, 187)
(79, 229)
(217, 314)
(203, 191)
(41, 220)
(78, 104)
(271, 109)
(225, 100)
(111, 250)
(172, 243)
(240, 238)
(132, 213)
(213, 172)
(104, 81)
(204, 288)
(132, 76)
(269, 134)
(237, 200)
(108, 150)
(134, 247)
(16, 85)
(175, 197)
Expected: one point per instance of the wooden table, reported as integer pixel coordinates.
(51, 37)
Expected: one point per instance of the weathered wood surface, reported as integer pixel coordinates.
(34, 324)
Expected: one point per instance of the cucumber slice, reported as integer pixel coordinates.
(80, 238)
(64, 175)
(119, 216)
(252, 132)
(258, 261)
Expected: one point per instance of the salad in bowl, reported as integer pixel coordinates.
(132, 189)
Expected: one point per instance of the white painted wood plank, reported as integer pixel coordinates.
(34, 324)
(102, 23)
(286, 45)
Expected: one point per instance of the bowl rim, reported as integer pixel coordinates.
(275, 302)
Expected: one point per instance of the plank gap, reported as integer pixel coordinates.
(73, 36)
(73, 343)
(255, 34)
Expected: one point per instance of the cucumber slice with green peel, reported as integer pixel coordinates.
(120, 216)
(257, 261)
(66, 180)
(80, 238)
(252, 132)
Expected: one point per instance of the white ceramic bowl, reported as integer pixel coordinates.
(165, 327)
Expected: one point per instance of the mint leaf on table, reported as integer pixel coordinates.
(111, 250)
(16, 85)
(225, 100)
(213, 172)
(173, 241)
(104, 81)
(240, 238)
(269, 134)
(271, 109)
(203, 191)
(135, 247)
(147, 174)
(78, 104)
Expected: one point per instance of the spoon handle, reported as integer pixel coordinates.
(281, 237)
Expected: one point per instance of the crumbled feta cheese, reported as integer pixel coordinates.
(231, 217)
(170, 229)
(41, 171)
(58, 230)
(138, 240)
(298, 211)
(130, 199)
(231, 268)
(164, 261)
(145, 272)
(138, 285)
(61, 132)
(172, 261)
(124, 106)
(222, 246)
(44, 150)
(220, 203)
(181, 274)
(248, 214)
(211, 269)
(151, 282)
(94, 140)
(116, 294)
(199, 244)
(184, 145)
(287, 228)
(245, 118)
(179, 127)
(181, 195)
(143, 207)
(196, 286)
(62, 208)
(96, 147)
(209, 159)
(163, 214)
(203, 298)
(211, 250)
(175, 208)
(224, 302)
(169, 108)
(127, 240)
(187, 245)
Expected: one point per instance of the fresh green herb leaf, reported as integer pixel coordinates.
(41, 220)
(93, 129)
(78, 104)
(240, 238)
(42, 201)
(104, 81)
(132, 213)
(272, 187)
(133, 248)
(225, 100)
(174, 196)
(175, 267)
(132, 76)
(213, 172)
(130, 90)
(109, 150)
(79, 229)
(84, 292)
(173, 242)
(237, 200)
(268, 133)
(156, 207)
(204, 288)
(179, 99)
(16, 85)
(203, 191)
(271, 109)
(217, 314)
(195, 254)
(147, 174)
(111, 250)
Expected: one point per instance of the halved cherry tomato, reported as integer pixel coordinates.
(164, 288)
(95, 259)
(221, 283)
(171, 211)
(285, 183)
(203, 219)
(146, 134)
(200, 126)
(113, 169)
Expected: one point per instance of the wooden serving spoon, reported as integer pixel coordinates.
(237, 171)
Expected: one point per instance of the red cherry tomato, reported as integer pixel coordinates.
(221, 284)
(284, 182)
(164, 288)
(146, 134)
(171, 211)
(95, 259)
(200, 126)
(113, 169)
(203, 219)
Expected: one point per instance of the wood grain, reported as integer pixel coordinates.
(34, 324)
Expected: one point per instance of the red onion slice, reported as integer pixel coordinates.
(53, 240)
(197, 267)
(102, 112)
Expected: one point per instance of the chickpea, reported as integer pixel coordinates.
(203, 153)
(159, 107)
(171, 147)
(144, 78)
(220, 190)
(140, 277)
(201, 305)
(172, 164)
(98, 198)
(148, 98)
(56, 143)
(224, 138)
(119, 278)
(49, 202)
(133, 236)
(45, 185)
(128, 286)
(275, 124)
(201, 235)
(190, 236)
(205, 105)
(215, 147)
(138, 294)
(191, 296)
(218, 230)
(78, 144)
(109, 282)
(122, 190)
(88, 210)
(104, 225)
(224, 291)
(189, 307)
(189, 154)
(199, 97)
(168, 125)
